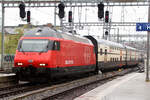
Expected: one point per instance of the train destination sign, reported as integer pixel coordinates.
(142, 26)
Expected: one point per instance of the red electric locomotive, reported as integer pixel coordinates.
(46, 53)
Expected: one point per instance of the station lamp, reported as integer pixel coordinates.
(100, 10)
(61, 7)
(22, 10)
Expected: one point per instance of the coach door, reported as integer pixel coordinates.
(56, 47)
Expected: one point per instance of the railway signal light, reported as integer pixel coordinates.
(61, 13)
(22, 10)
(70, 16)
(100, 10)
(28, 16)
(106, 33)
(106, 16)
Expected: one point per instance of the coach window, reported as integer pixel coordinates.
(105, 51)
(110, 48)
(101, 51)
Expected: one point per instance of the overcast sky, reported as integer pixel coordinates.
(41, 16)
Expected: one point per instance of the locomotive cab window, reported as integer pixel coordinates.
(38, 45)
(34, 45)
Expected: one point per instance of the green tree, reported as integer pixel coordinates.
(11, 41)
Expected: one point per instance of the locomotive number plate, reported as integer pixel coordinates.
(30, 61)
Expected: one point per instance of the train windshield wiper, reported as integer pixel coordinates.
(44, 49)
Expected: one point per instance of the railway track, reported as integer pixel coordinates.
(19, 89)
(39, 92)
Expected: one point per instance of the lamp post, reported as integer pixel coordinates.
(148, 34)
(2, 41)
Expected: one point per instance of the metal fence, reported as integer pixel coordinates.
(8, 62)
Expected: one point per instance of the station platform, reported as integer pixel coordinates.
(129, 87)
(7, 79)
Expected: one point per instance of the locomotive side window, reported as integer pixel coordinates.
(56, 45)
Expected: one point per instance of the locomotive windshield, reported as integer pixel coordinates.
(35, 45)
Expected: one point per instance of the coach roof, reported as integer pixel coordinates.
(109, 43)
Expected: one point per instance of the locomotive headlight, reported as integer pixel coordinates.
(42, 64)
(20, 64)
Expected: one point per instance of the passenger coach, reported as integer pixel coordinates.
(113, 56)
